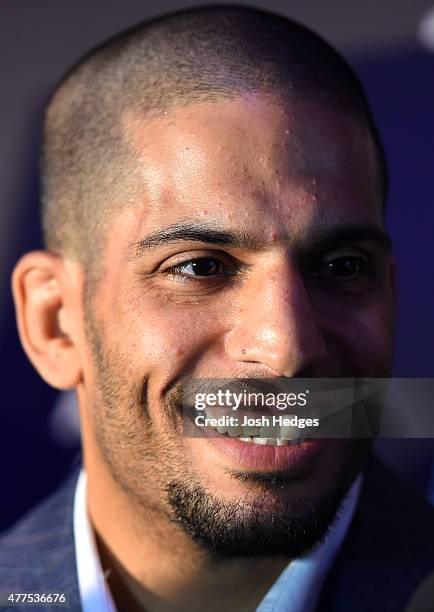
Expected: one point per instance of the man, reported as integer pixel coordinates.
(213, 206)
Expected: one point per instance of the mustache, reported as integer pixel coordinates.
(185, 389)
(182, 394)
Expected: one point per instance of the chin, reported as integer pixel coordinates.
(267, 513)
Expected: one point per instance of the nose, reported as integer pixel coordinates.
(276, 324)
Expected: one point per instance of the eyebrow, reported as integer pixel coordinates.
(209, 234)
(194, 232)
(351, 234)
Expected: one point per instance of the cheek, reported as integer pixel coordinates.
(368, 339)
(170, 338)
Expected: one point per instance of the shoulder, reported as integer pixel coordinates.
(388, 551)
(37, 554)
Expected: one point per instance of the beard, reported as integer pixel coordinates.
(143, 450)
(291, 527)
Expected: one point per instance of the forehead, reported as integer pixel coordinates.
(250, 158)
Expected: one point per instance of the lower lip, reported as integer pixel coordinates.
(268, 458)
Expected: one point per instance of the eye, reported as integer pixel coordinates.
(201, 267)
(345, 267)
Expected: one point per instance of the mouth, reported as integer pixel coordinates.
(248, 428)
(268, 454)
(272, 441)
(264, 436)
(263, 449)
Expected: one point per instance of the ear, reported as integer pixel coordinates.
(44, 318)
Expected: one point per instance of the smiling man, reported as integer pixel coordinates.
(213, 206)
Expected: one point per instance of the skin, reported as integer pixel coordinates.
(280, 173)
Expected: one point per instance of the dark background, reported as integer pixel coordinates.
(40, 39)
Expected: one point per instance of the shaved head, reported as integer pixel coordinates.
(89, 164)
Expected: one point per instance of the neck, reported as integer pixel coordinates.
(152, 564)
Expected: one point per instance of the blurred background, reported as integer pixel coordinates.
(391, 46)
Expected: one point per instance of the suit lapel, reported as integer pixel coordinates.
(38, 553)
(387, 552)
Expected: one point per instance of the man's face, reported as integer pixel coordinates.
(242, 257)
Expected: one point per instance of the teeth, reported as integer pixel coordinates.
(269, 441)
(251, 431)
(289, 433)
(260, 440)
(263, 441)
(261, 433)
(269, 432)
(234, 431)
(273, 436)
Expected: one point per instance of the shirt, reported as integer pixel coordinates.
(296, 590)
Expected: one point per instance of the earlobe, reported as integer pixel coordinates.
(39, 289)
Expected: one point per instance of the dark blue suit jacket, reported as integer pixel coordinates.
(387, 553)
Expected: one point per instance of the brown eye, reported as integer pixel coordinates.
(202, 266)
(342, 268)
(346, 268)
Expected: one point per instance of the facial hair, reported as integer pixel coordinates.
(146, 458)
